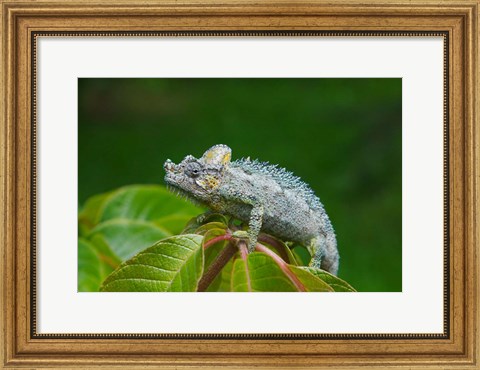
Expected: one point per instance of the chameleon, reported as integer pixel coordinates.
(267, 197)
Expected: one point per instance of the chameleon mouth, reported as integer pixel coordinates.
(176, 190)
(179, 192)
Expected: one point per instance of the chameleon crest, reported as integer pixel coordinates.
(268, 197)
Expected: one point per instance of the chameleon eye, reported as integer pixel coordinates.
(193, 170)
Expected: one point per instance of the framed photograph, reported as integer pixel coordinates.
(236, 184)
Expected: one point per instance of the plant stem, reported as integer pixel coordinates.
(216, 240)
(216, 266)
(274, 243)
(283, 266)
(242, 246)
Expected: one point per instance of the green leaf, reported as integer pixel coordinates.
(104, 251)
(259, 273)
(92, 269)
(89, 216)
(292, 259)
(202, 230)
(216, 217)
(337, 284)
(174, 223)
(279, 247)
(125, 238)
(145, 202)
(174, 264)
(191, 226)
(301, 255)
(311, 282)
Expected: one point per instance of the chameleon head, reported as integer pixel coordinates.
(198, 178)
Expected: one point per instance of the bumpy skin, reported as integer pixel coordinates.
(269, 198)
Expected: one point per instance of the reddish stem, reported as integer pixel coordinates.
(217, 265)
(264, 238)
(216, 240)
(283, 266)
(242, 246)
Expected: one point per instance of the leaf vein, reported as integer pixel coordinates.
(152, 266)
(162, 255)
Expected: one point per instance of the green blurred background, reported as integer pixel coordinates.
(341, 136)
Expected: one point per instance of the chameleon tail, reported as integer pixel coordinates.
(325, 253)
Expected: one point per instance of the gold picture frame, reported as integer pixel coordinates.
(24, 21)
